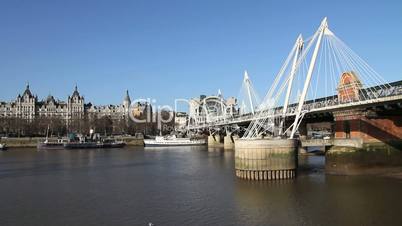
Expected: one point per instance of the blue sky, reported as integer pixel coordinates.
(177, 49)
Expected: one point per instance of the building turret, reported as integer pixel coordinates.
(75, 105)
(126, 101)
(26, 104)
(27, 93)
(50, 99)
(76, 93)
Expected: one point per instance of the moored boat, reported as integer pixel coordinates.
(103, 143)
(94, 141)
(94, 145)
(50, 145)
(3, 147)
(90, 144)
(82, 145)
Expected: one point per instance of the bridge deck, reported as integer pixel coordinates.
(311, 108)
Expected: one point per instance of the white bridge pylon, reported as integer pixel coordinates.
(248, 98)
(313, 70)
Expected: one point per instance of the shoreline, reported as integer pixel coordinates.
(394, 172)
(31, 142)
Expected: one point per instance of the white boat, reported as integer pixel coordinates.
(51, 145)
(168, 141)
(3, 147)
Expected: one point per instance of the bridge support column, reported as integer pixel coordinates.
(366, 141)
(214, 141)
(303, 130)
(266, 159)
(228, 142)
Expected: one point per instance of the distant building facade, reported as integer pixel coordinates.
(27, 106)
(115, 112)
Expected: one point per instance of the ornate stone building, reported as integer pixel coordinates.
(27, 106)
(24, 106)
(75, 105)
(52, 108)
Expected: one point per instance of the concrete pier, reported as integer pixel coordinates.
(367, 141)
(228, 142)
(266, 159)
(353, 156)
(215, 141)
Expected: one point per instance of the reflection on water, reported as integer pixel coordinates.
(182, 186)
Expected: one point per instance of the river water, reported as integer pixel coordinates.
(182, 186)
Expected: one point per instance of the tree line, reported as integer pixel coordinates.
(57, 126)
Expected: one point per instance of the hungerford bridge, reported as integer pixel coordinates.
(322, 80)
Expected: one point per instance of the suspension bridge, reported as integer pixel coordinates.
(321, 79)
(336, 78)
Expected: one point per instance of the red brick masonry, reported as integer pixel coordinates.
(369, 128)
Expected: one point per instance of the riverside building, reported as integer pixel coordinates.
(27, 106)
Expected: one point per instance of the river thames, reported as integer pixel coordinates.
(182, 186)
